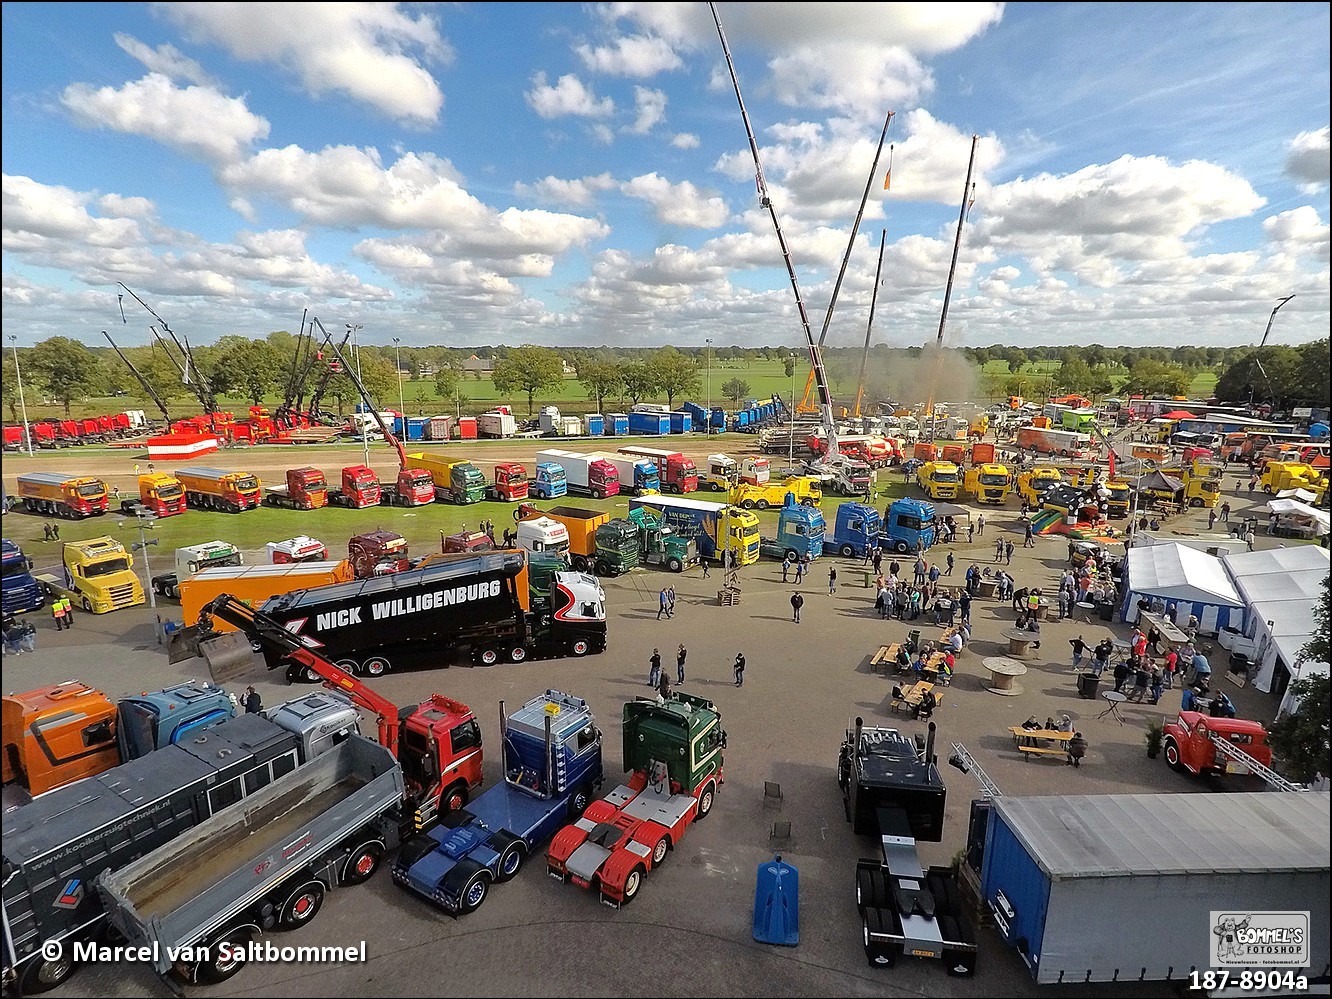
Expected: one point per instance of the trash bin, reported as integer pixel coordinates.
(1106, 612)
(913, 641)
(868, 579)
(1087, 685)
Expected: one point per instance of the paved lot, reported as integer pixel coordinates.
(688, 932)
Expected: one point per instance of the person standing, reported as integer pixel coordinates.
(832, 580)
(980, 525)
(1249, 537)
(670, 600)
(877, 560)
(55, 534)
(786, 566)
(1008, 552)
(800, 570)
(881, 601)
(920, 570)
(654, 672)
(69, 612)
(1225, 512)
(949, 570)
(46, 532)
(253, 702)
(739, 669)
(1211, 519)
(663, 603)
(704, 563)
(998, 549)
(1028, 539)
(664, 687)
(58, 612)
(964, 605)
(680, 655)
(971, 531)
(797, 601)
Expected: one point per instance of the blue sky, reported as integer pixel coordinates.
(578, 174)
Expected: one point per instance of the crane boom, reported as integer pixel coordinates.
(869, 326)
(365, 397)
(152, 393)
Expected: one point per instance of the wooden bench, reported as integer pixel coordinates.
(885, 660)
(1029, 751)
(912, 697)
(1026, 739)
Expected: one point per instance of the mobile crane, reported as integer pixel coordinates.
(437, 743)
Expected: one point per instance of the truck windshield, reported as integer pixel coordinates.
(169, 492)
(14, 567)
(993, 480)
(215, 562)
(422, 479)
(92, 489)
(945, 476)
(247, 483)
(105, 567)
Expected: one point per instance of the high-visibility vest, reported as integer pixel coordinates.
(1033, 601)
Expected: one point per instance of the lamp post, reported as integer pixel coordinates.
(23, 406)
(397, 350)
(365, 424)
(147, 521)
(707, 420)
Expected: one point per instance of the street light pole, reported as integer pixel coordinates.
(23, 406)
(397, 350)
(365, 424)
(147, 521)
(707, 420)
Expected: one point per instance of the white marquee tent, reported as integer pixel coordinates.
(1279, 587)
(1173, 573)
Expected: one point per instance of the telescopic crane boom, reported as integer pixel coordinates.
(350, 372)
(147, 387)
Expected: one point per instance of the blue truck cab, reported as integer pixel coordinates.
(857, 529)
(149, 721)
(646, 479)
(549, 482)
(18, 590)
(551, 748)
(800, 531)
(904, 523)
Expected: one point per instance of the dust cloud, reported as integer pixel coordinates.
(918, 377)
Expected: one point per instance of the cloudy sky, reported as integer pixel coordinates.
(579, 174)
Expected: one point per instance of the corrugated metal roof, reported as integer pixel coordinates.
(1115, 835)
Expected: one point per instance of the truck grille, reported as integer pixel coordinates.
(123, 595)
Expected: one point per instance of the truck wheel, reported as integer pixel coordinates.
(958, 963)
(579, 563)
(487, 657)
(792, 555)
(1172, 755)
(375, 666)
(455, 798)
(301, 905)
(901, 547)
(632, 884)
(580, 647)
(578, 802)
(879, 955)
(847, 551)
(762, 504)
(362, 863)
(469, 882)
(603, 568)
(1196, 501)
(596, 494)
(42, 975)
(171, 591)
(870, 890)
(706, 799)
(747, 504)
(518, 654)
(87, 605)
(675, 565)
(659, 851)
(512, 852)
(223, 963)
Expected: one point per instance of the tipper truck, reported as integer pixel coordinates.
(62, 733)
(160, 493)
(807, 489)
(54, 847)
(57, 495)
(19, 591)
(218, 489)
(1204, 865)
(266, 864)
(98, 575)
(193, 559)
(677, 473)
(359, 489)
(475, 607)
(306, 489)
(892, 790)
(597, 542)
(673, 751)
(552, 768)
(456, 481)
(585, 474)
(715, 528)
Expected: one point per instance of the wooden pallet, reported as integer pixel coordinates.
(728, 597)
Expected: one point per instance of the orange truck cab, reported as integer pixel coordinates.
(43, 746)
(60, 495)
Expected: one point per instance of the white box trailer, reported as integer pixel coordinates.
(496, 424)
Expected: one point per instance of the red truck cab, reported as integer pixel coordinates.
(308, 487)
(416, 486)
(1189, 743)
(377, 553)
(510, 482)
(360, 487)
(466, 541)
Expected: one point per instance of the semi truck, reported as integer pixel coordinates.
(585, 474)
(548, 481)
(301, 548)
(1120, 498)
(673, 751)
(715, 528)
(637, 475)
(456, 481)
(892, 791)
(193, 559)
(359, 488)
(1202, 482)
(55, 847)
(510, 483)
(723, 472)
(907, 523)
(800, 531)
(413, 487)
(58, 495)
(98, 575)
(939, 479)
(987, 484)
(597, 542)
(19, 591)
(1031, 485)
(306, 489)
(855, 531)
(62, 733)
(268, 864)
(676, 473)
(477, 608)
(1200, 863)
(160, 493)
(1065, 443)
(217, 489)
(658, 543)
(552, 767)
(806, 488)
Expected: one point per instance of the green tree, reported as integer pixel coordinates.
(65, 369)
(378, 376)
(1150, 376)
(789, 365)
(1300, 740)
(1315, 382)
(1268, 375)
(601, 379)
(735, 389)
(674, 372)
(639, 380)
(528, 369)
(245, 367)
(446, 381)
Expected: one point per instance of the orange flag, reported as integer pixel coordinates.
(888, 179)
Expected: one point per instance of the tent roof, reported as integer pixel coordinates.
(951, 510)
(1283, 586)
(1303, 495)
(1292, 507)
(1159, 480)
(1178, 414)
(1174, 572)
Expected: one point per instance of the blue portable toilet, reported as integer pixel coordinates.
(617, 424)
(400, 427)
(594, 424)
(681, 422)
(777, 903)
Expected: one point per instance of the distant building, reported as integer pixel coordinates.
(481, 365)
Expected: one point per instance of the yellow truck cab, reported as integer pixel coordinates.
(1281, 475)
(980, 426)
(987, 483)
(1031, 485)
(807, 489)
(1117, 505)
(98, 576)
(1202, 483)
(941, 480)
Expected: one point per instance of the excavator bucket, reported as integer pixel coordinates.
(229, 656)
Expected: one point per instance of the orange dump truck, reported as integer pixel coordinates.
(62, 495)
(217, 489)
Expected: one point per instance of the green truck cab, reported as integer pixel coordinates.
(658, 544)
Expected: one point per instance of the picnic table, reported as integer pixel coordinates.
(1040, 741)
(1003, 674)
(885, 660)
(912, 696)
(1019, 641)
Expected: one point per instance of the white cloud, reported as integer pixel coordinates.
(196, 120)
(685, 140)
(579, 193)
(602, 133)
(567, 97)
(165, 59)
(1307, 160)
(358, 49)
(865, 77)
(632, 55)
(1299, 231)
(649, 109)
(678, 204)
(119, 206)
(41, 218)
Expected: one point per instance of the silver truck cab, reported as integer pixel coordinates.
(321, 719)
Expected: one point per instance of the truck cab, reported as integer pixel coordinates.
(549, 481)
(856, 529)
(1033, 484)
(720, 473)
(511, 483)
(658, 544)
(302, 548)
(541, 534)
(161, 493)
(193, 559)
(800, 531)
(1202, 482)
(987, 483)
(1120, 496)
(466, 542)
(360, 488)
(306, 489)
(377, 553)
(463, 483)
(98, 576)
(414, 487)
(19, 590)
(907, 522)
(939, 479)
